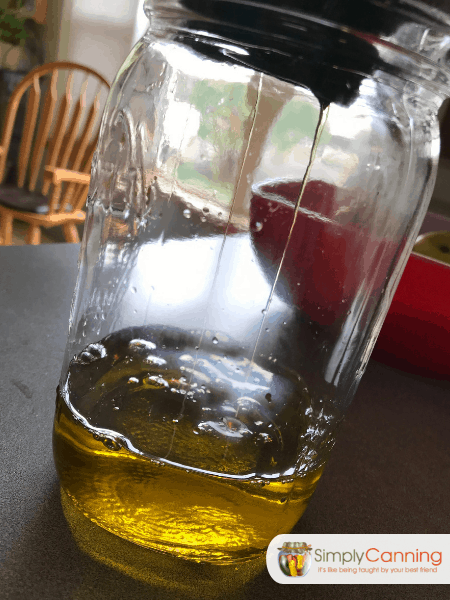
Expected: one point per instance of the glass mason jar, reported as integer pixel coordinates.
(260, 178)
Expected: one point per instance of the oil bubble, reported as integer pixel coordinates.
(91, 353)
(111, 444)
(155, 382)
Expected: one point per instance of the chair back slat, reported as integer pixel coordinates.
(34, 96)
(43, 130)
(86, 136)
(73, 129)
(86, 139)
(60, 128)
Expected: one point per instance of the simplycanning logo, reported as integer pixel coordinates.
(295, 559)
(357, 558)
(380, 556)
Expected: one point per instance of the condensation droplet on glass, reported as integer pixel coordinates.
(264, 311)
(186, 213)
(133, 380)
(257, 226)
(134, 289)
(267, 329)
(205, 210)
(215, 340)
(268, 397)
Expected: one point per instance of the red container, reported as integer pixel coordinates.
(416, 333)
(415, 336)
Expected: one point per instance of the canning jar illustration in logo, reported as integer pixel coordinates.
(295, 559)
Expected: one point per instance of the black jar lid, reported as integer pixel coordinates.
(325, 45)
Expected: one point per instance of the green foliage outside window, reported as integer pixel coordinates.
(12, 21)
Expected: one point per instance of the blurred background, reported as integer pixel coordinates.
(96, 34)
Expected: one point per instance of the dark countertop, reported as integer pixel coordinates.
(389, 473)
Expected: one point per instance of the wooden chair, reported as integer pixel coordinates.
(47, 184)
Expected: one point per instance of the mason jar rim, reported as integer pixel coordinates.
(419, 51)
